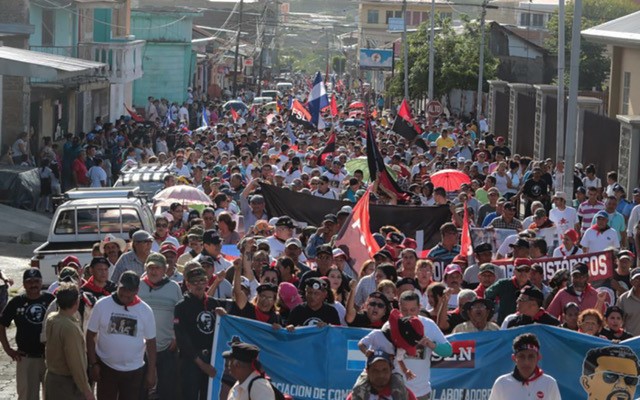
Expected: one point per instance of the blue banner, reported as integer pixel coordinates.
(323, 363)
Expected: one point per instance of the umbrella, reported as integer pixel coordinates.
(356, 104)
(183, 194)
(450, 179)
(271, 105)
(236, 105)
(361, 164)
(352, 122)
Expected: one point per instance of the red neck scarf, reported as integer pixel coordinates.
(260, 316)
(537, 373)
(91, 286)
(135, 301)
(160, 239)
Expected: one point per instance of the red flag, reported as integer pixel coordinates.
(136, 117)
(334, 106)
(404, 125)
(234, 114)
(356, 233)
(374, 114)
(329, 148)
(466, 246)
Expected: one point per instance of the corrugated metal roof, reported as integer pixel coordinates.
(624, 30)
(20, 62)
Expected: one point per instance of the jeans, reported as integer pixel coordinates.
(167, 371)
(195, 383)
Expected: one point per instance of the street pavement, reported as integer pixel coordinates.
(14, 259)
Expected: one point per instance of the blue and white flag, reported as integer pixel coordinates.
(289, 131)
(205, 117)
(318, 100)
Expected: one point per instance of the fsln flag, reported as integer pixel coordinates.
(317, 101)
(356, 233)
(466, 245)
(404, 125)
(234, 114)
(377, 169)
(328, 149)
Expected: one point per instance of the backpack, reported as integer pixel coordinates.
(278, 394)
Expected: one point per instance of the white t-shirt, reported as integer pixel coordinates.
(564, 219)
(507, 387)
(122, 333)
(183, 171)
(420, 365)
(96, 176)
(595, 241)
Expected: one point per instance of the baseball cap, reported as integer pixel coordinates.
(482, 248)
(580, 268)
(383, 253)
(280, 173)
(326, 249)
(540, 212)
(487, 267)
(560, 195)
(337, 252)
(379, 355)
(635, 273)
(627, 254)
(211, 237)
(204, 259)
(636, 190)
(99, 260)
(68, 274)
(129, 280)
(618, 188)
(520, 243)
(451, 269)
(330, 218)
(156, 259)
(267, 287)
(142, 236)
(289, 295)
(395, 237)
(522, 262)
(532, 292)
(315, 283)
(196, 273)
(285, 221)
(168, 248)
(572, 234)
(601, 214)
(31, 273)
(293, 242)
(71, 260)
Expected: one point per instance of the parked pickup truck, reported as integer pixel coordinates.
(84, 218)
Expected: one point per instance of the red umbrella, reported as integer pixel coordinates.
(356, 104)
(450, 179)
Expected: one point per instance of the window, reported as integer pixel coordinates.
(529, 19)
(372, 17)
(538, 20)
(66, 223)
(525, 19)
(48, 27)
(626, 86)
(389, 14)
(415, 18)
(112, 220)
(398, 14)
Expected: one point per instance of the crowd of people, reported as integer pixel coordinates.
(138, 320)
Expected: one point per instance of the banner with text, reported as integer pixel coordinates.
(323, 363)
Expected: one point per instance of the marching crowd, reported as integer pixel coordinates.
(138, 320)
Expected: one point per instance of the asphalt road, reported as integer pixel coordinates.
(14, 259)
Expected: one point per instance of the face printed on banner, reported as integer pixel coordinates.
(610, 373)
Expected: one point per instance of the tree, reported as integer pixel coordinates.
(594, 62)
(456, 61)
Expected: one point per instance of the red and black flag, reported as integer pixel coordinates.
(134, 115)
(404, 125)
(328, 149)
(377, 169)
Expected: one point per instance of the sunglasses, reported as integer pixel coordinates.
(612, 377)
(377, 305)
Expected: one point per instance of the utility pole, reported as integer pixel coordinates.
(560, 96)
(431, 49)
(572, 109)
(405, 46)
(262, 42)
(481, 60)
(235, 60)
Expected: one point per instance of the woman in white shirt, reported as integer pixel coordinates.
(503, 181)
(97, 175)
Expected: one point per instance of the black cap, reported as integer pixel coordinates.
(99, 260)
(580, 268)
(315, 283)
(267, 287)
(285, 221)
(204, 259)
(330, 218)
(31, 273)
(129, 280)
(482, 248)
(382, 297)
(211, 237)
(325, 248)
(533, 293)
(195, 273)
(379, 355)
(383, 253)
(244, 352)
(395, 237)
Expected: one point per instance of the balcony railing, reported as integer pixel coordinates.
(123, 59)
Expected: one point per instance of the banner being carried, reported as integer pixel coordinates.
(314, 363)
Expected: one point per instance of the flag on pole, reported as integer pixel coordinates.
(334, 105)
(317, 101)
(466, 245)
(378, 170)
(290, 133)
(328, 149)
(356, 233)
(136, 117)
(404, 125)
(234, 114)
(205, 117)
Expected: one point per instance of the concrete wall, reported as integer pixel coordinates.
(630, 62)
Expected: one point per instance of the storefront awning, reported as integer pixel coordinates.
(34, 64)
